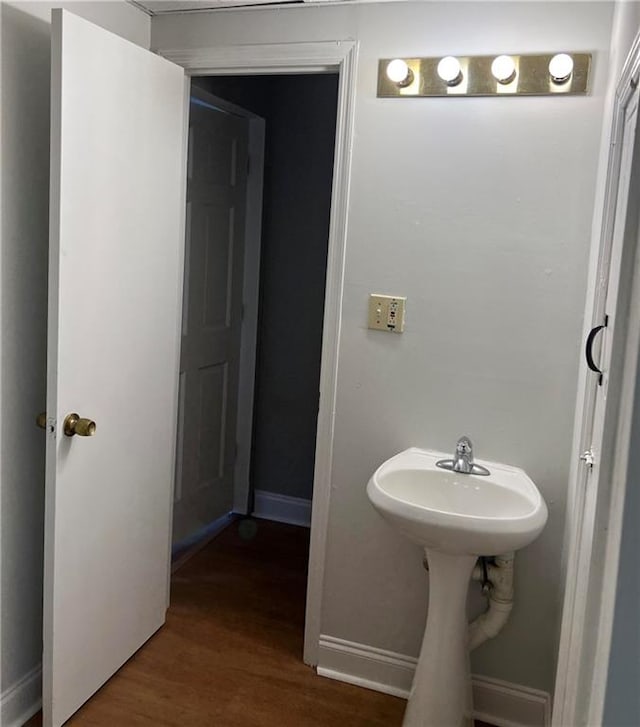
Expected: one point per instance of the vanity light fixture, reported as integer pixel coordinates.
(561, 67)
(503, 69)
(399, 72)
(500, 75)
(450, 70)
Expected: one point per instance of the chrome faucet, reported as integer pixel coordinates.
(463, 458)
(462, 461)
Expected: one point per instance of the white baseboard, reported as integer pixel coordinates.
(510, 705)
(366, 666)
(22, 700)
(500, 703)
(282, 508)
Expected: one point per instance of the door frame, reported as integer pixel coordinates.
(315, 57)
(595, 509)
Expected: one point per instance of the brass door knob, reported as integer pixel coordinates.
(74, 424)
(41, 420)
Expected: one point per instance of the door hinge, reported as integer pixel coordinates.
(588, 458)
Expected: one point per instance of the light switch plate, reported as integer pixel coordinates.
(386, 312)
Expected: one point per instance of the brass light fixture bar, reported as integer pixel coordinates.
(542, 74)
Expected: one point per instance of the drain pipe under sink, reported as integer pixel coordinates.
(499, 576)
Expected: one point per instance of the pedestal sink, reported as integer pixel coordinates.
(456, 518)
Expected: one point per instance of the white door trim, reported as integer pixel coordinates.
(340, 56)
(594, 514)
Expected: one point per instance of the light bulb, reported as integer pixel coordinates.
(450, 71)
(561, 67)
(399, 72)
(503, 69)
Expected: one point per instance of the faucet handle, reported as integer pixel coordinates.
(464, 446)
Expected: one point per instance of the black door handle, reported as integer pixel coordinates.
(588, 352)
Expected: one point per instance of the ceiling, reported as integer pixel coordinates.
(159, 7)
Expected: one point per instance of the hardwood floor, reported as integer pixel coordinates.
(230, 654)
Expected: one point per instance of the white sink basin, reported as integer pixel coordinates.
(457, 513)
(455, 518)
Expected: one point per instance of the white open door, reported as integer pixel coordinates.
(596, 517)
(115, 287)
(217, 174)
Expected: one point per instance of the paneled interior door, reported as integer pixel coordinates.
(217, 174)
(115, 288)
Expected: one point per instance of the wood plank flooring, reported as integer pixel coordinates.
(230, 654)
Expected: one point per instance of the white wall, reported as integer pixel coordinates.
(479, 210)
(24, 202)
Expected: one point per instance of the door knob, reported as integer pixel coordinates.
(41, 420)
(74, 424)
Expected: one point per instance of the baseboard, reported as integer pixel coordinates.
(510, 705)
(22, 700)
(366, 666)
(497, 702)
(282, 508)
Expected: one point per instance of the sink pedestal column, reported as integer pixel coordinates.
(441, 691)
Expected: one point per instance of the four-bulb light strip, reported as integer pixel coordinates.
(503, 69)
(541, 74)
